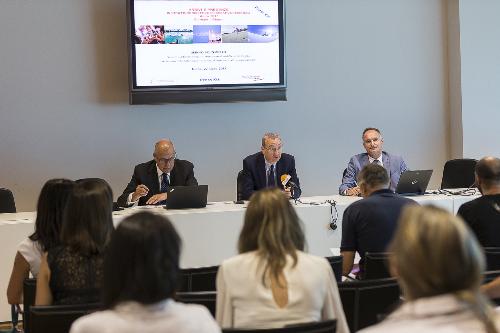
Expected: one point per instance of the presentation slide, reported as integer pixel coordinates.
(192, 43)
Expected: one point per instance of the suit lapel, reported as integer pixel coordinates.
(173, 175)
(153, 176)
(280, 170)
(364, 160)
(387, 162)
(261, 171)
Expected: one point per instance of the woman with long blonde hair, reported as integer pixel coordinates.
(439, 265)
(272, 282)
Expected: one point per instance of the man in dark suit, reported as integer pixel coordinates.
(369, 224)
(267, 167)
(151, 180)
(373, 143)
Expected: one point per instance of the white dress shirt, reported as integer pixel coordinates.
(268, 166)
(379, 159)
(438, 314)
(32, 253)
(132, 317)
(244, 302)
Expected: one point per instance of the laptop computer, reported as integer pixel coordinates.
(413, 182)
(180, 197)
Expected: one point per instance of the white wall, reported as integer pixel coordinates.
(480, 67)
(351, 64)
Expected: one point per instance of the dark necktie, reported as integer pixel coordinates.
(270, 177)
(164, 186)
(376, 162)
(164, 183)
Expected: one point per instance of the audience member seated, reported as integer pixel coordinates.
(372, 142)
(50, 208)
(272, 282)
(483, 214)
(368, 224)
(141, 274)
(71, 273)
(439, 265)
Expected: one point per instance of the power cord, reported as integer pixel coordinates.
(334, 213)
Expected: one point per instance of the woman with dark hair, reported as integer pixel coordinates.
(49, 214)
(439, 265)
(71, 273)
(273, 283)
(141, 272)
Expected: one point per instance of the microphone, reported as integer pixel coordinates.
(286, 182)
(285, 179)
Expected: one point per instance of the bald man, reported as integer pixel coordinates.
(151, 180)
(483, 214)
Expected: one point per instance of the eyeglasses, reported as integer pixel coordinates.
(274, 149)
(167, 160)
(374, 140)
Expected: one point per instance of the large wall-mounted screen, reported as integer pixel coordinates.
(206, 51)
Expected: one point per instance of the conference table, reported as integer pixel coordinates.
(210, 234)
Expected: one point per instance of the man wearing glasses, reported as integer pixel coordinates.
(372, 142)
(151, 180)
(270, 168)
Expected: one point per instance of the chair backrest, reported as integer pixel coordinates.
(239, 186)
(29, 293)
(336, 263)
(365, 300)
(458, 173)
(492, 258)
(58, 318)
(198, 279)
(7, 203)
(205, 298)
(489, 276)
(327, 326)
(375, 265)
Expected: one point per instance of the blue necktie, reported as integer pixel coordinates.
(164, 186)
(270, 177)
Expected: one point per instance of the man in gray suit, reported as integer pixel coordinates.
(372, 142)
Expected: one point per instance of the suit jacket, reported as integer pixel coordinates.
(254, 174)
(394, 165)
(145, 173)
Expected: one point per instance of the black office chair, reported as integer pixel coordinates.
(198, 279)
(239, 186)
(205, 298)
(489, 276)
(29, 293)
(336, 263)
(458, 173)
(58, 318)
(375, 265)
(492, 258)
(7, 203)
(327, 326)
(366, 301)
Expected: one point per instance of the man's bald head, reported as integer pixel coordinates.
(488, 174)
(164, 155)
(164, 145)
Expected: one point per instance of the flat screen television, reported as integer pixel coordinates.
(192, 51)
